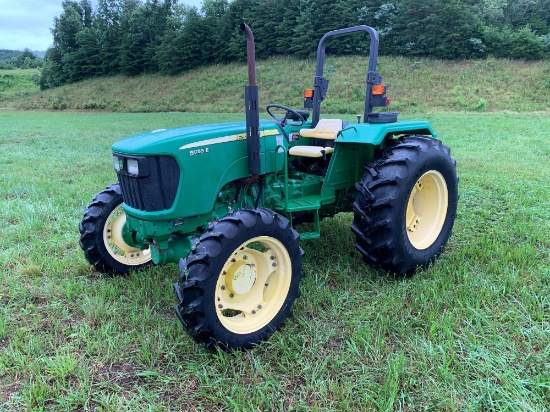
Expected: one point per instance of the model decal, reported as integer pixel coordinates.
(225, 139)
(199, 151)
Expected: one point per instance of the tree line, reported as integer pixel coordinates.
(133, 37)
(14, 59)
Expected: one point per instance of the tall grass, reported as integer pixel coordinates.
(415, 86)
(472, 332)
(17, 84)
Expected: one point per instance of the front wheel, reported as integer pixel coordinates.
(101, 236)
(406, 205)
(238, 284)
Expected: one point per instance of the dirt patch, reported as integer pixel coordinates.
(7, 389)
(118, 374)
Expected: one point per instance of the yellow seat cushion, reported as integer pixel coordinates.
(326, 129)
(310, 151)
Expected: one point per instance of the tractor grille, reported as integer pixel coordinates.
(157, 190)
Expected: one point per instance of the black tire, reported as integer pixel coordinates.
(108, 254)
(414, 177)
(223, 299)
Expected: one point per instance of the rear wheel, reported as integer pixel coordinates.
(238, 284)
(101, 235)
(406, 205)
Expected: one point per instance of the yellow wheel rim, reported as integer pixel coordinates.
(115, 244)
(253, 285)
(427, 209)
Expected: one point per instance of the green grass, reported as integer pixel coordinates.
(17, 84)
(472, 332)
(415, 86)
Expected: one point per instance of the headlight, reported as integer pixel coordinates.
(132, 167)
(118, 163)
(137, 166)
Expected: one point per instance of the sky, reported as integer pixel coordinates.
(26, 24)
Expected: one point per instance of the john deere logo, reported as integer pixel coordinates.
(121, 164)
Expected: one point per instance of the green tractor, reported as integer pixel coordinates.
(223, 201)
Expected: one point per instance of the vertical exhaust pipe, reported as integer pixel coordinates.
(250, 54)
(251, 109)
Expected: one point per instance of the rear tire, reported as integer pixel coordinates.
(239, 282)
(406, 205)
(101, 236)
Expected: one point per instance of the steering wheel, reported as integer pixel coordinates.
(282, 120)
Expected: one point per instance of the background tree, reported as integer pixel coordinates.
(443, 29)
(109, 32)
(61, 61)
(143, 28)
(239, 11)
(26, 60)
(318, 17)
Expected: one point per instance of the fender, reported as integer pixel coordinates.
(375, 134)
(354, 147)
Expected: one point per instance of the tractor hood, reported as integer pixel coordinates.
(170, 141)
(180, 172)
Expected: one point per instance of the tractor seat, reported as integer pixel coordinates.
(326, 129)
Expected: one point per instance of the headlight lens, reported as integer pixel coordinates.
(133, 168)
(117, 163)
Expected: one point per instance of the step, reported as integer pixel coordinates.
(309, 203)
(310, 235)
(303, 204)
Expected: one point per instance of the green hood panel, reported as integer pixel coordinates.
(209, 157)
(169, 141)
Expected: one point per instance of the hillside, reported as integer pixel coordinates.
(415, 85)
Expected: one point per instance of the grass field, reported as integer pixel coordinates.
(472, 332)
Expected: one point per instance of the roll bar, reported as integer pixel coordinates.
(320, 83)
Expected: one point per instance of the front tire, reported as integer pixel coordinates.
(238, 284)
(101, 236)
(406, 205)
